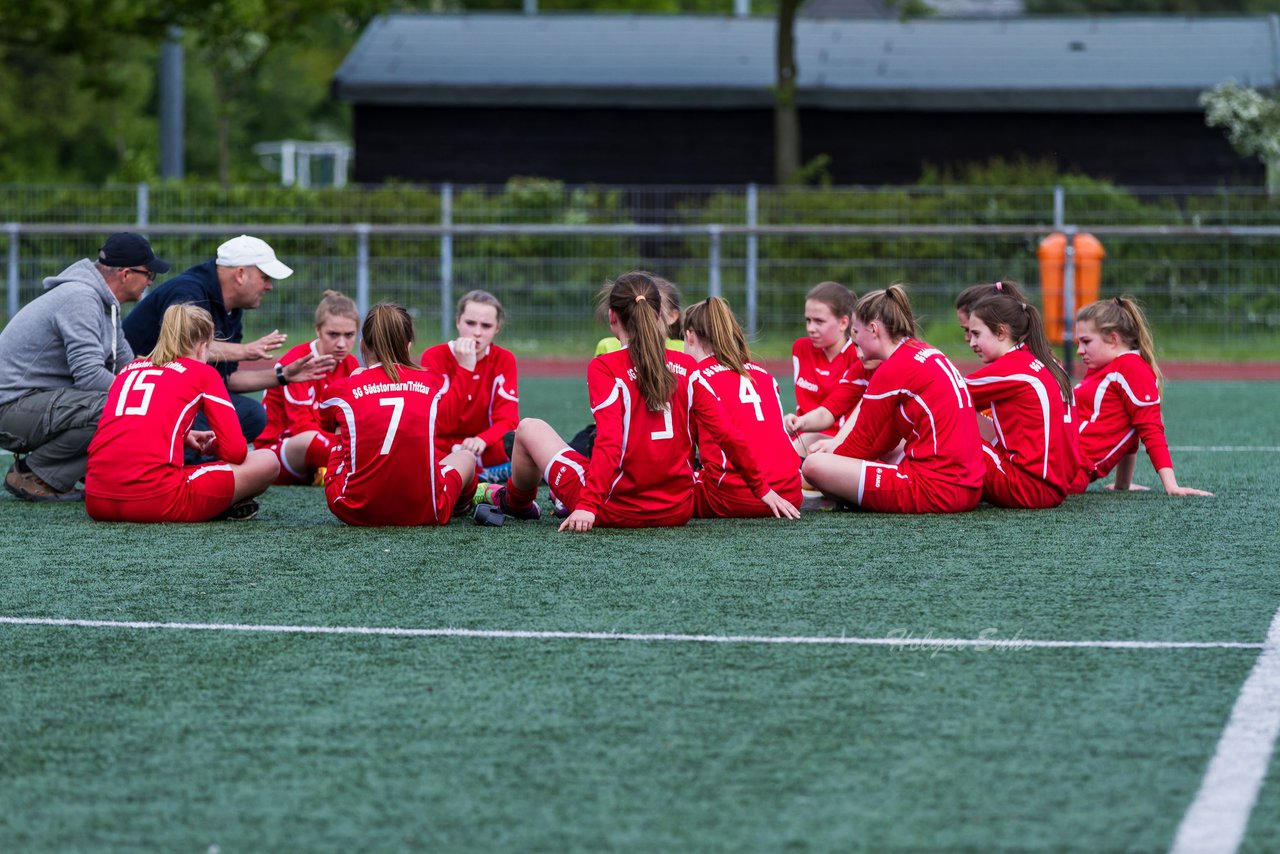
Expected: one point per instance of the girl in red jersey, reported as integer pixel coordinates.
(384, 467)
(639, 474)
(490, 400)
(136, 472)
(972, 295)
(748, 395)
(915, 395)
(292, 432)
(1118, 401)
(820, 361)
(1030, 443)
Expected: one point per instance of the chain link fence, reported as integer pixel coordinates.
(1205, 262)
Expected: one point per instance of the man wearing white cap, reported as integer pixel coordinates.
(243, 271)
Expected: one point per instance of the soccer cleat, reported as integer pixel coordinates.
(317, 479)
(492, 493)
(241, 511)
(814, 500)
(558, 507)
(489, 515)
(496, 474)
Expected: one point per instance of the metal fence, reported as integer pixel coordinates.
(1206, 263)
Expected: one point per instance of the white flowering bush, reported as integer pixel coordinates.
(1251, 120)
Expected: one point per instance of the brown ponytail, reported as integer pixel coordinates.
(1022, 322)
(712, 320)
(891, 308)
(974, 294)
(635, 299)
(387, 337)
(1124, 317)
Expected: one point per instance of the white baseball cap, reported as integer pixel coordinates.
(246, 251)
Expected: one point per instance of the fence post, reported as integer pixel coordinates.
(713, 261)
(753, 241)
(12, 297)
(144, 204)
(1069, 299)
(446, 261)
(1059, 207)
(362, 268)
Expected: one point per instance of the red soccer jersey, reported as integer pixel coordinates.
(847, 394)
(918, 395)
(138, 448)
(817, 378)
(490, 399)
(1034, 428)
(383, 469)
(291, 409)
(1117, 405)
(751, 404)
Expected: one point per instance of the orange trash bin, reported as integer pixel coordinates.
(1052, 254)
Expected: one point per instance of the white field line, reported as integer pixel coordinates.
(1217, 819)
(1226, 449)
(981, 644)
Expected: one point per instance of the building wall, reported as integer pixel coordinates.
(489, 145)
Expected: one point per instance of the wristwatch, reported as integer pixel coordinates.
(280, 377)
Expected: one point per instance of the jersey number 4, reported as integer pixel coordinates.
(140, 382)
(747, 394)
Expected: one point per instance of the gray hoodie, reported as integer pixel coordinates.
(69, 336)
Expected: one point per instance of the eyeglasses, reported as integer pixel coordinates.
(150, 274)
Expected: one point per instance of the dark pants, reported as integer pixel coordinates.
(53, 428)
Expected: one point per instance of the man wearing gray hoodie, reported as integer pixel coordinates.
(58, 357)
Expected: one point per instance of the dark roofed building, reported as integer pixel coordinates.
(661, 99)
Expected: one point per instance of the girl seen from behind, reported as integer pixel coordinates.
(916, 395)
(748, 395)
(136, 471)
(384, 467)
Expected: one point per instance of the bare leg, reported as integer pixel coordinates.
(536, 443)
(255, 474)
(465, 463)
(295, 451)
(834, 475)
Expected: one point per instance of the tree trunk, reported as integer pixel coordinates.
(786, 119)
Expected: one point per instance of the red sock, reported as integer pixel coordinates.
(467, 494)
(318, 451)
(517, 498)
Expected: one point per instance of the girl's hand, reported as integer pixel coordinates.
(781, 507)
(1186, 490)
(475, 445)
(579, 521)
(791, 421)
(465, 350)
(824, 446)
(200, 440)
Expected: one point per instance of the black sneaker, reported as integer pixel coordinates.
(241, 511)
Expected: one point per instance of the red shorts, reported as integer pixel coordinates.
(731, 499)
(384, 508)
(203, 492)
(1006, 485)
(887, 488)
(566, 474)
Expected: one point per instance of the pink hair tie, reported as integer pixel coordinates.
(999, 287)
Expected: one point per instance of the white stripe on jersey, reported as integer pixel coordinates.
(1042, 394)
(951, 372)
(1116, 377)
(571, 463)
(174, 442)
(933, 424)
(349, 418)
(206, 469)
(431, 446)
(620, 392)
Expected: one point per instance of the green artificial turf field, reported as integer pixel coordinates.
(738, 721)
